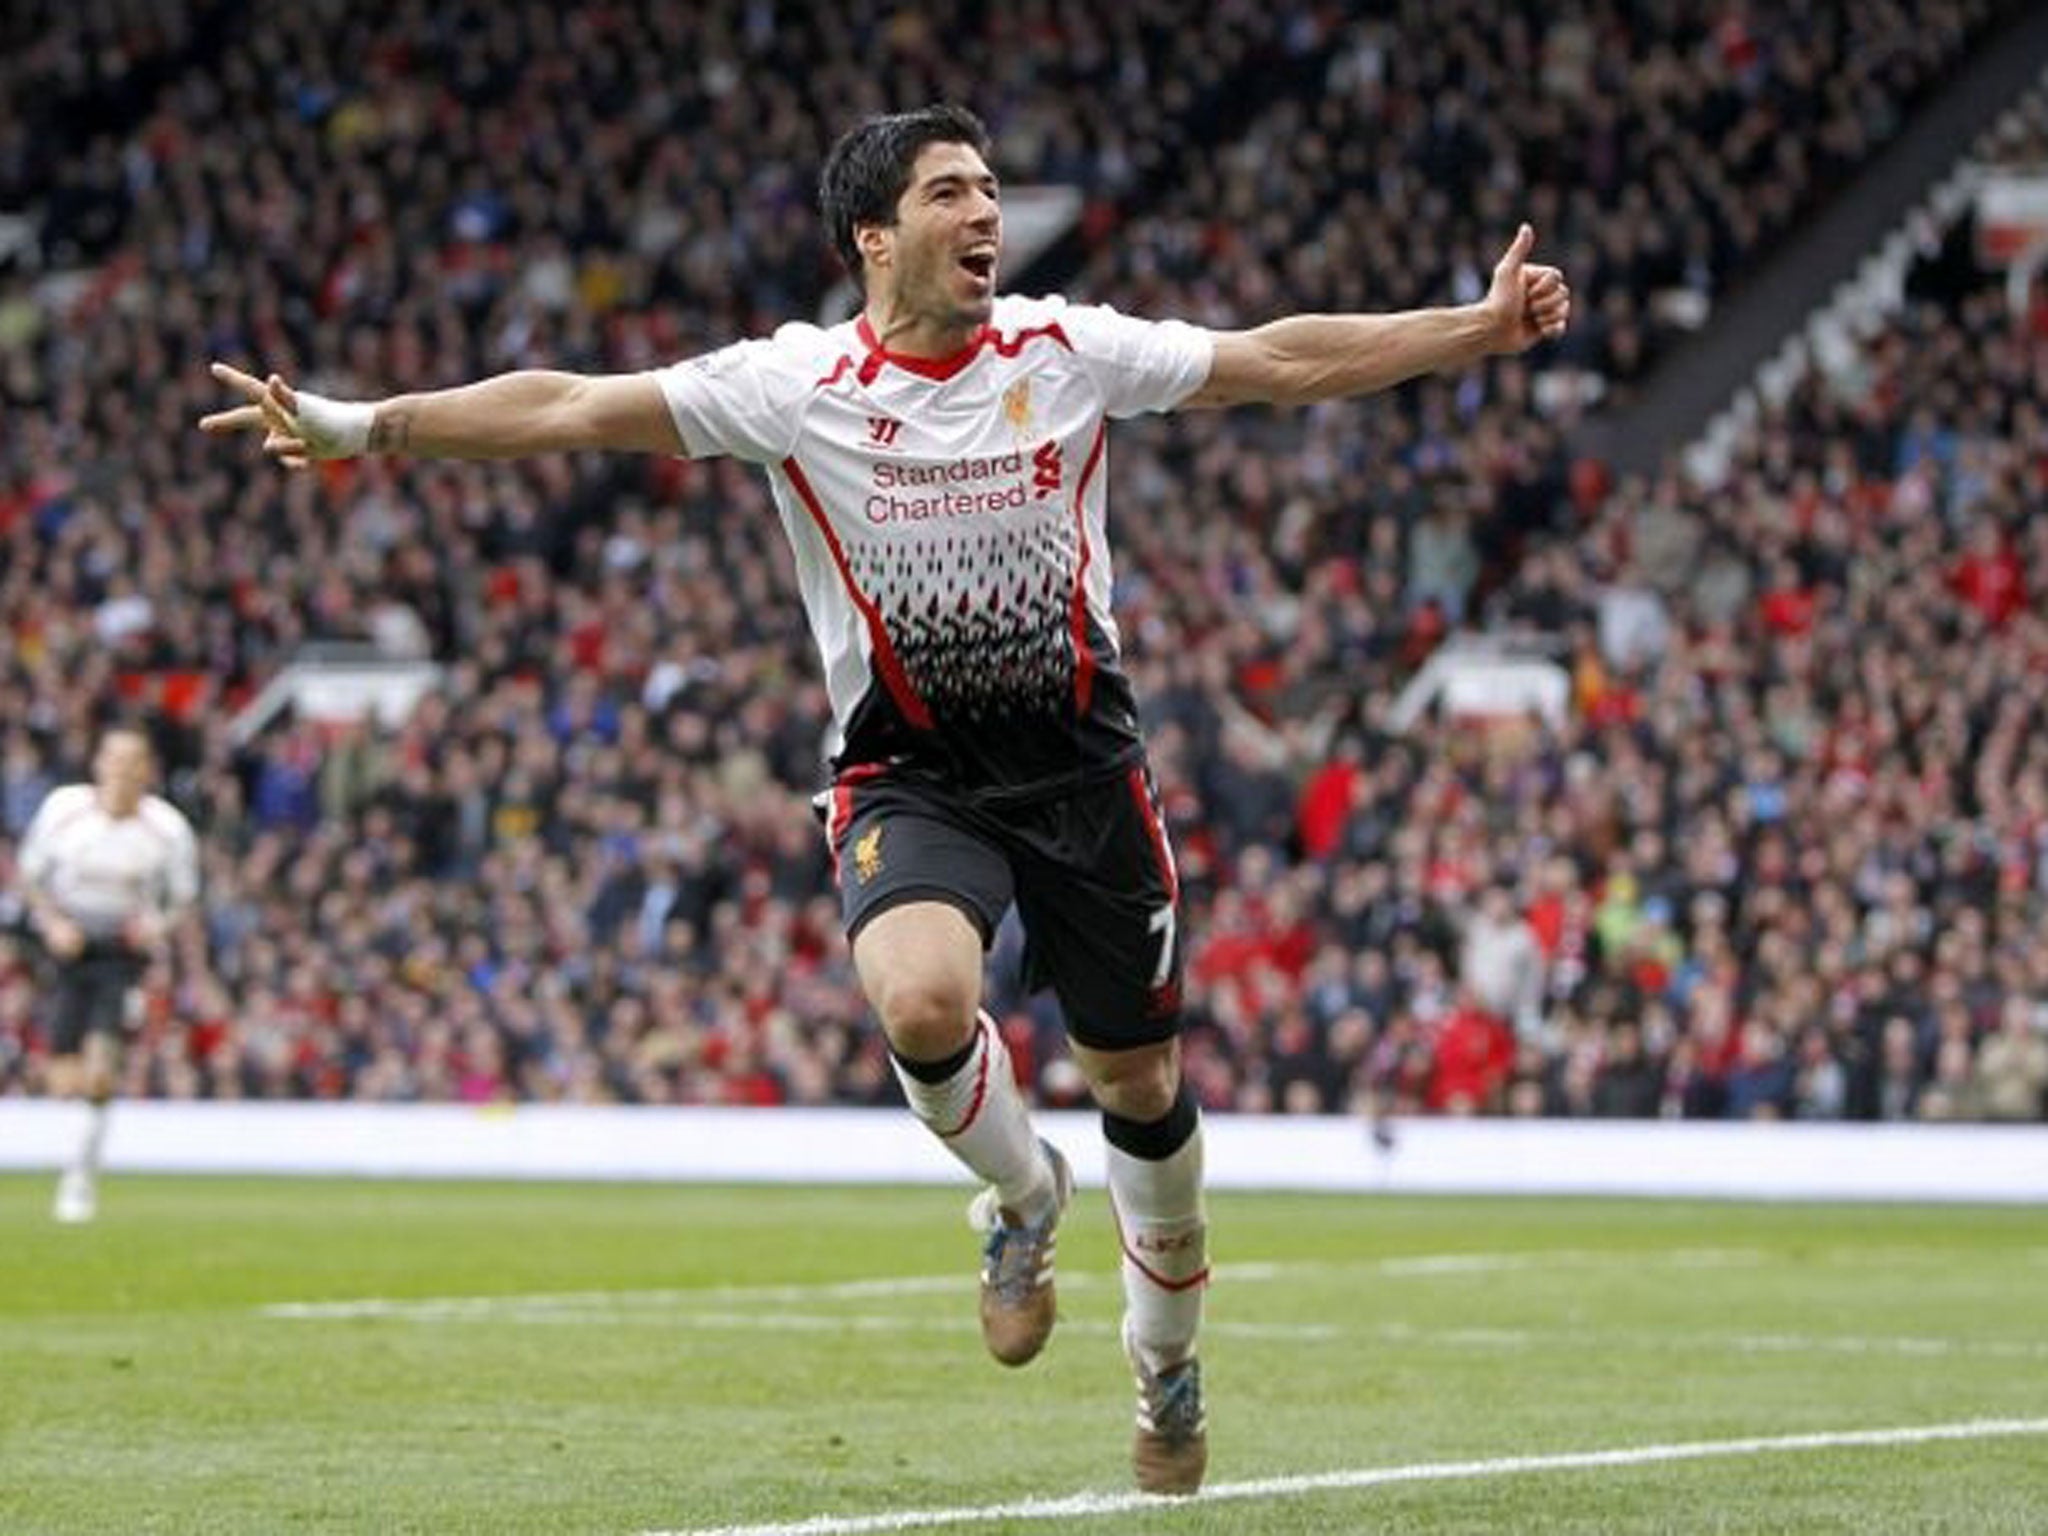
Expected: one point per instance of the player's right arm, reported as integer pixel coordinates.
(37, 862)
(515, 414)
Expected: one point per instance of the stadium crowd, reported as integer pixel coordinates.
(1787, 856)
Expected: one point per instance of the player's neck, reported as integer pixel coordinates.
(911, 335)
(119, 806)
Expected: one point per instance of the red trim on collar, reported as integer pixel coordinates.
(947, 366)
(926, 367)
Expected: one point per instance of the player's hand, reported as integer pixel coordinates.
(297, 428)
(1528, 303)
(64, 937)
(272, 409)
(145, 931)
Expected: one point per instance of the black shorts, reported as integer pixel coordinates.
(90, 996)
(1091, 873)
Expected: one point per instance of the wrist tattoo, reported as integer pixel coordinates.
(391, 431)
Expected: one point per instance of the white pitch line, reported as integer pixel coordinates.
(1401, 1267)
(554, 1311)
(1441, 1266)
(1740, 1343)
(1853, 1344)
(681, 1309)
(773, 1322)
(438, 1308)
(1087, 1505)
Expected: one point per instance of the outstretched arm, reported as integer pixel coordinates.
(1306, 358)
(532, 411)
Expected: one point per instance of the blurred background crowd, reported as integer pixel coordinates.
(1784, 855)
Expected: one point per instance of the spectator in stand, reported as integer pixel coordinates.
(1475, 1052)
(1628, 1085)
(2012, 1065)
(1501, 966)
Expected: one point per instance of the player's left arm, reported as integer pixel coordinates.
(177, 907)
(1306, 358)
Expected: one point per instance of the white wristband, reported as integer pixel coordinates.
(334, 429)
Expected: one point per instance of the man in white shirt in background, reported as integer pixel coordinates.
(1501, 964)
(108, 870)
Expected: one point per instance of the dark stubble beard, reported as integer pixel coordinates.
(967, 316)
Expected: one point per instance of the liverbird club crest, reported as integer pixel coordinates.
(1017, 407)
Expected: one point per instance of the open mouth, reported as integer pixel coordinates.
(980, 265)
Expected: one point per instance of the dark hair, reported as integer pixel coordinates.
(868, 169)
(127, 725)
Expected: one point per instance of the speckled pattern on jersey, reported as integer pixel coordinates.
(982, 619)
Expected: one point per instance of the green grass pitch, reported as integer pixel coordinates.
(627, 1358)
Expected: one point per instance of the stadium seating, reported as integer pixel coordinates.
(1786, 858)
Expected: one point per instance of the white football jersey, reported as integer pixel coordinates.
(102, 870)
(948, 518)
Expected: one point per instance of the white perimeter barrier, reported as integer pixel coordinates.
(819, 1146)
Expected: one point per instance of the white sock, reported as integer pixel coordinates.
(1165, 1237)
(88, 1163)
(980, 1116)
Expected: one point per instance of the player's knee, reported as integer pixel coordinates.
(1143, 1100)
(929, 1016)
(1137, 1085)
